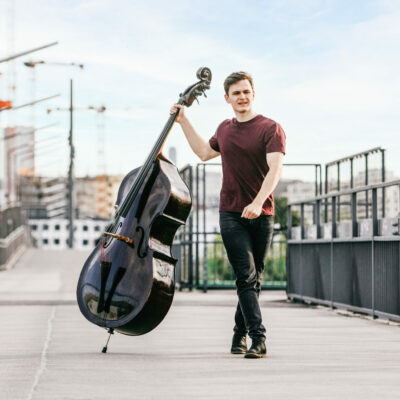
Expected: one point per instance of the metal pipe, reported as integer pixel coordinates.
(383, 180)
(30, 104)
(190, 277)
(366, 184)
(70, 172)
(334, 199)
(351, 173)
(197, 226)
(374, 233)
(318, 218)
(24, 53)
(338, 189)
(326, 192)
(205, 270)
(354, 224)
(316, 180)
(320, 178)
(289, 222)
(348, 191)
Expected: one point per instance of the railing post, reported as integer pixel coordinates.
(333, 217)
(320, 178)
(332, 243)
(289, 222)
(197, 227)
(316, 179)
(318, 217)
(354, 224)
(383, 180)
(375, 212)
(302, 221)
(205, 261)
(374, 233)
(338, 189)
(366, 184)
(351, 173)
(190, 255)
(326, 192)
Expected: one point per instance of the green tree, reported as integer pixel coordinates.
(281, 213)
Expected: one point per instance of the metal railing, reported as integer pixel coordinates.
(353, 263)
(203, 264)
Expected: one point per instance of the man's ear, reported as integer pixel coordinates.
(227, 98)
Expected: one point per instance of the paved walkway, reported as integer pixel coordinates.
(49, 351)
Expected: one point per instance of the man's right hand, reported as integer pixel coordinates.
(181, 114)
(196, 142)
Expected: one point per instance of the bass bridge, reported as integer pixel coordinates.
(119, 237)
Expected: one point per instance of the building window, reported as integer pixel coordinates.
(57, 227)
(45, 227)
(56, 241)
(85, 242)
(34, 227)
(97, 228)
(45, 241)
(85, 227)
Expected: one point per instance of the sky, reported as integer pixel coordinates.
(326, 70)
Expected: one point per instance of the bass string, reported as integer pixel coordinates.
(146, 167)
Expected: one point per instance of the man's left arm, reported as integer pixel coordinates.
(254, 209)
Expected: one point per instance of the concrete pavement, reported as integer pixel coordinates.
(49, 351)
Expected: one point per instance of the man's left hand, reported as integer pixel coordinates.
(253, 210)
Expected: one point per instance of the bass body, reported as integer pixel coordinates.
(127, 283)
(130, 287)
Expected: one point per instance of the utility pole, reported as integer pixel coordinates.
(70, 193)
(71, 172)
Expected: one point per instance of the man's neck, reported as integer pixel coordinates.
(243, 117)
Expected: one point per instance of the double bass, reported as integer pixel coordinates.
(127, 283)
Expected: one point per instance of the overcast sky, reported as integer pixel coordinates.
(326, 70)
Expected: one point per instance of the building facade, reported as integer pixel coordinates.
(53, 233)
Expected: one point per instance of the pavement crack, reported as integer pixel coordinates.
(43, 358)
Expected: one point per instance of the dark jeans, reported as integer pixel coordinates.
(246, 242)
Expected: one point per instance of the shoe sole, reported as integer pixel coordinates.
(238, 352)
(255, 355)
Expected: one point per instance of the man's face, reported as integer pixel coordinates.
(241, 96)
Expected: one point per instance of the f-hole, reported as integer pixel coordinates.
(141, 254)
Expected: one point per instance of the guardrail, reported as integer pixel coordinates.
(203, 262)
(13, 236)
(350, 263)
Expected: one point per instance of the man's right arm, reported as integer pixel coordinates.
(200, 147)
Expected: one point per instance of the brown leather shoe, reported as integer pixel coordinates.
(257, 349)
(239, 345)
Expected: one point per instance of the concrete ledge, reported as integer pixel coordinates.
(12, 247)
(14, 258)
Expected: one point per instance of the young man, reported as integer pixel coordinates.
(251, 147)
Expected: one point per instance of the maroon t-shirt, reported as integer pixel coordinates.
(244, 147)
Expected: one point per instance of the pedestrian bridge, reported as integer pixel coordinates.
(49, 351)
